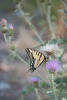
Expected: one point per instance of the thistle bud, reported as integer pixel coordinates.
(12, 47)
(4, 29)
(10, 28)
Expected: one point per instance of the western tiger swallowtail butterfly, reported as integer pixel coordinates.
(36, 58)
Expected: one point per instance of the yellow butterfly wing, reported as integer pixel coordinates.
(36, 58)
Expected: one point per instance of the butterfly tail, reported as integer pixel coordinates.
(31, 69)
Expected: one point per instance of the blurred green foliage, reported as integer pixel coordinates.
(7, 5)
(32, 5)
(61, 82)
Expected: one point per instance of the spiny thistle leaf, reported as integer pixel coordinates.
(65, 21)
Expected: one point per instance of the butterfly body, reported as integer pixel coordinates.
(36, 58)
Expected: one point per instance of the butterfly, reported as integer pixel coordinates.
(36, 58)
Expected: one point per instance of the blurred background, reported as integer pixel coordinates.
(34, 22)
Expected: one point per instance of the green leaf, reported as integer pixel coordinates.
(24, 91)
(51, 96)
(44, 85)
(65, 12)
(53, 41)
(61, 82)
(64, 20)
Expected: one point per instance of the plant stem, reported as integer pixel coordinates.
(37, 94)
(29, 22)
(39, 5)
(22, 60)
(22, 97)
(14, 52)
(54, 87)
(50, 23)
(5, 39)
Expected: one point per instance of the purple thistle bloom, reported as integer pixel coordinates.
(53, 66)
(10, 26)
(34, 79)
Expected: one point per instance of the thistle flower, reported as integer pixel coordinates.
(34, 79)
(49, 47)
(4, 27)
(3, 22)
(53, 65)
(52, 49)
(10, 27)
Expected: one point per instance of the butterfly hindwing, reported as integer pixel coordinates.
(36, 58)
